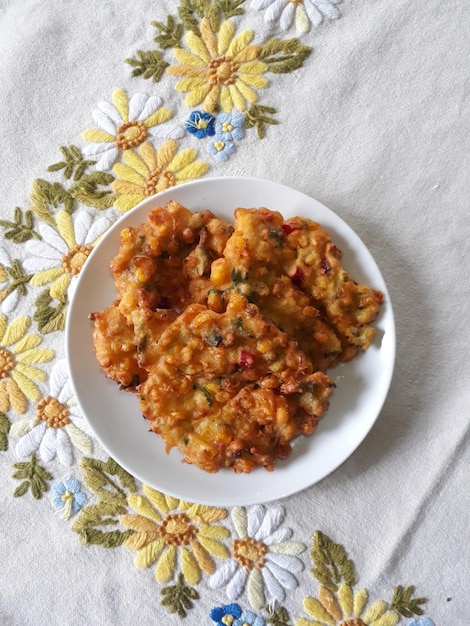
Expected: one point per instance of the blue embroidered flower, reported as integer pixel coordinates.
(221, 149)
(200, 124)
(68, 497)
(421, 621)
(230, 126)
(218, 614)
(248, 618)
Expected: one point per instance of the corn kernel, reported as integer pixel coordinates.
(263, 345)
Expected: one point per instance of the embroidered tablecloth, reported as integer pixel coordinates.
(363, 105)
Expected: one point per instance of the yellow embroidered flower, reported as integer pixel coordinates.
(126, 123)
(346, 608)
(19, 355)
(221, 69)
(166, 527)
(59, 256)
(153, 171)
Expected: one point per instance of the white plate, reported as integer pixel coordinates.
(114, 415)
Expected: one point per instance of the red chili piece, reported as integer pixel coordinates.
(246, 360)
(298, 276)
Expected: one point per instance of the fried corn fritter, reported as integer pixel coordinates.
(254, 264)
(263, 248)
(161, 266)
(349, 307)
(115, 347)
(225, 333)
(230, 389)
(165, 263)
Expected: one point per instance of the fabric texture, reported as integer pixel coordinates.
(366, 109)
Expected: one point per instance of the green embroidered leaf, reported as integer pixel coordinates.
(74, 164)
(97, 522)
(192, 11)
(88, 193)
(277, 616)
(98, 475)
(404, 603)
(96, 525)
(179, 598)
(46, 195)
(148, 64)
(231, 8)
(331, 563)
(35, 478)
(18, 278)
(258, 116)
(284, 55)
(170, 33)
(5, 425)
(20, 231)
(47, 317)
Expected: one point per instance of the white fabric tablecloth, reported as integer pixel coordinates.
(373, 123)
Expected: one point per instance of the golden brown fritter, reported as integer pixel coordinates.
(165, 262)
(349, 307)
(254, 263)
(115, 347)
(230, 389)
(225, 333)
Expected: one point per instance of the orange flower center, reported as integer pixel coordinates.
(222, 71)
(73, 261)
(296, 2)
(353, 622)
(7, 363)
(158, 181)
(53, 412)
(249, 552)
(177, 530)
(131, 135)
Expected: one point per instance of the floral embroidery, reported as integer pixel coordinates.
(221, 69)
(232, 615)
(12, 282)
(230, 126)
(145, 174)
(302, 12)
(347, 607)
(19, 357)
(221, 149)
(59, 256)
(225, 615)
(264, 560)
(127, 123)
(68, 497)
(57, 426)
(422, 621)
(200, 124)
(338, 604)
(166, 528)
(248, 618)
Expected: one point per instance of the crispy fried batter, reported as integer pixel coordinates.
(115, 346)
(230, 389)
(165, 263)
(349, 307)
(254, 264)
(225, 333)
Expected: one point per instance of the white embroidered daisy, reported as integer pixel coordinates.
(8, 297)
(59, 256)
(303, 12)
(126, 123)
(264, 560)
(58, 426)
